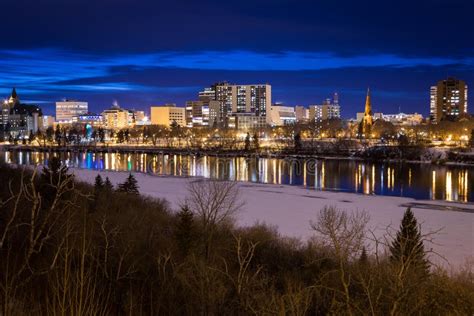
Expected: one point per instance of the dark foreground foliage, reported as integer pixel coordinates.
(86, 251)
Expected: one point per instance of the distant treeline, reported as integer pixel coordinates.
(69, 248)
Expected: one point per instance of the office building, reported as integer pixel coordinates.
(247, 121)
(448, 100)
(280, 115)
(203, 112)
(330, 109)
(66, 110)
(301, 114)
(168, 115)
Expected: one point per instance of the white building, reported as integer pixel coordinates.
(66, 110)
(247, 121)
(403, 119)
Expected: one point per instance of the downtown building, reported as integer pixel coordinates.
(330, 109)
(68, 109)
(448, 100)
(227, 103)
(168, 115)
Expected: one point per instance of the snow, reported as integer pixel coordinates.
(290, 209)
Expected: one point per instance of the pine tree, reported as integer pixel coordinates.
(407, 249)
(53, 176)
(98, 184)
(364, 258)
(247, 142)
(130, 186)
(185, 230)
(297, 140)
(256, 144)
(472, 138)
(108, 186)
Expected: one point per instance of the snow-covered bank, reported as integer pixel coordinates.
(290, 209)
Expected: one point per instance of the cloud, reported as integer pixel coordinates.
(51, 69)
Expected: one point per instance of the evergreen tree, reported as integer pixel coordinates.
(364, 258)
(99, 183)
(256, 144)
(297, 140)
(407, 249)
(130, 186)
(185, 230)
(247, 142)
(108, 186)
(52, 178)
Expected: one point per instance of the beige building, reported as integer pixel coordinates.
(324, 112)
(280, 115)
(167, 114)
(115, 118)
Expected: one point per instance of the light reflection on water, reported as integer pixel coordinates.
(423, 181)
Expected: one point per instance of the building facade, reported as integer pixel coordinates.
(448, 100)
(115, 118)
(66, 110)
(168, 115)
(280, 115)
(234, 98)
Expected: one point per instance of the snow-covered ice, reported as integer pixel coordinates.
(290, 209)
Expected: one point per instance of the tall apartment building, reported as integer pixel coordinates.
(116, 118)
(66, 110)
(167, 115)
(251, 98)
(448, 100)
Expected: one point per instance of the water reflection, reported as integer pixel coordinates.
(412, 180)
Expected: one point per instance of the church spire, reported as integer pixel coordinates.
(368, 105)
(14, 95)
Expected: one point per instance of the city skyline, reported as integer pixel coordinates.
(304, 51)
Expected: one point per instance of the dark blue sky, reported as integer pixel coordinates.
(152, 52)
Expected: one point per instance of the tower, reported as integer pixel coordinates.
(14, 99)
(368, 119)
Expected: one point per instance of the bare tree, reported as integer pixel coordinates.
(344, 234)
(214, 202)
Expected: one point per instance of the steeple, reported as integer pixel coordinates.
(368, 105)
(367, 121)
(13, 100)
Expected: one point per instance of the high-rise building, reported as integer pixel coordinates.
(168, 115)
(66, 110)
(115, 117)
(330, 109)
(251, 98)
(448, 100)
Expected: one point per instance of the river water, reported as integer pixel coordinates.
(421, 181)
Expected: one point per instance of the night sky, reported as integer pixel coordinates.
(140, 53)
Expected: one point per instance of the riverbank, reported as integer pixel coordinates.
(290, 209)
